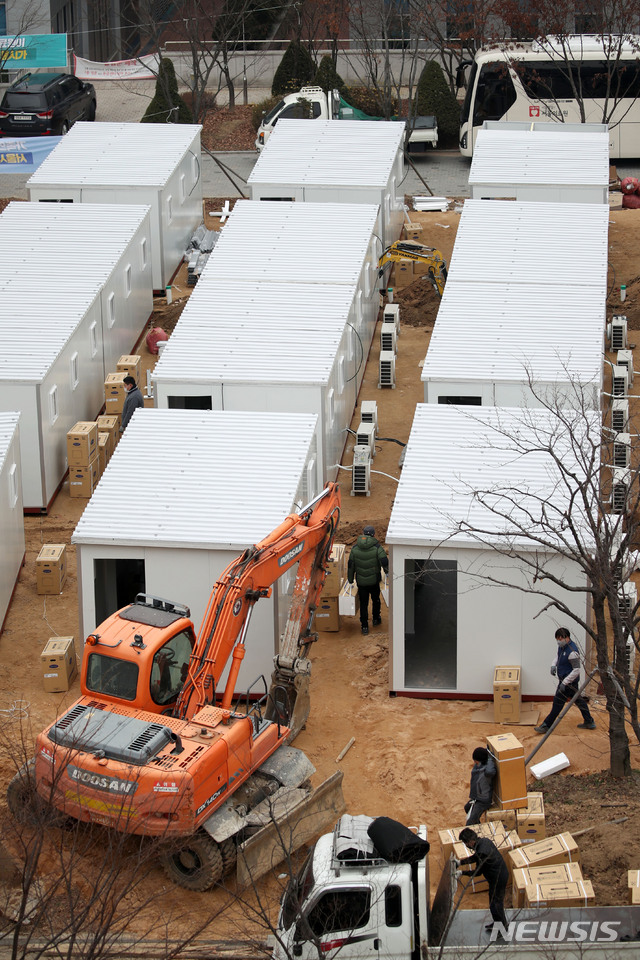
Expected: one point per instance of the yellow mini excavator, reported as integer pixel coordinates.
(410, 250)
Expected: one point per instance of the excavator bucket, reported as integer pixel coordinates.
(290, 701)
(289, 823)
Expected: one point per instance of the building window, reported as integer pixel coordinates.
(93, 338)
(111, 309)
(169, 209)
(183, 188)
(13, 485)
(143, 253)
(74, 367)
(53, 405)
(127, 281)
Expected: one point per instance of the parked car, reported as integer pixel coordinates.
(45, 103)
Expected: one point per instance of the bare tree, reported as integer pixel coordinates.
(593, 526)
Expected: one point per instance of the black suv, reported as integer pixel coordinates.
(45, 103)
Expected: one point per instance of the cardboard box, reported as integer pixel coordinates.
(561, 848)
(510, 785)
(111, 425)
(451, 836)
(327, 616)
(530, 821)
(114, 393)
(104, 450)
(471, 884)
(553, 873)
(348, 600)
(506, 817)
(506, 694)
(567, 893)
(633, 882)
(82, 443)
(336, 571)
(507, 842)
(83, 480)
(51, 568)
(130, 365)
(58, 664)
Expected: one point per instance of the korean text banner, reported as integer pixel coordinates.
(144, 68)
(25, 155)
(29, 51)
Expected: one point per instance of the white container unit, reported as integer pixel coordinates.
(557, 244)
(350, 161)
(458, 607)
(44, 245)
(285, 347)
(185, 493)
(310, 243)
(554, 165)
(516, 344)
(11, 518)
(158, 164)
(51, 370)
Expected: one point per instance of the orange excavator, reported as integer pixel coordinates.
(150, 748)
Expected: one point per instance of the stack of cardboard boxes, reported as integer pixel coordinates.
(129, 365)
(327, 616)
(547, 874)
(83, 458)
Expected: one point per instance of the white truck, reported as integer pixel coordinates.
(349, 901)
(312, 103)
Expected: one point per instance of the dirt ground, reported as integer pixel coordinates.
(411, 758)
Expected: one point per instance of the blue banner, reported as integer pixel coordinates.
(29, 51)
(26, 155)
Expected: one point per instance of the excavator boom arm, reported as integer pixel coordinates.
(417, 252)
(305, 538)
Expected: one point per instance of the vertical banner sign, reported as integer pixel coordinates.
(30, 51)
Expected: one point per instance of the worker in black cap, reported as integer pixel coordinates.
(366, 562)
(483, 774)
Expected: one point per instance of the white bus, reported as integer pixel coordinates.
(539, 80)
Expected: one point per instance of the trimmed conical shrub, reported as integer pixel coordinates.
(434, 97)
(294, 70)
(167, 105)
(328, 77)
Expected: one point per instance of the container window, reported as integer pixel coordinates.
(111, 309)
(13, 485)
(93, 338)
(74, 365)
(331, 411)
(183, 188)
(143, 253)
(195, 166)
(127, 281)
(53, 405)
(169, 209)
(341, 383)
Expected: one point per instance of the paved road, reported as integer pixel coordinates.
(445, 172)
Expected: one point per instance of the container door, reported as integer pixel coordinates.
(396, 922)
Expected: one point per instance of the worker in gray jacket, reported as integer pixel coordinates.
(367, 560)
(132, 401)
(483, 773)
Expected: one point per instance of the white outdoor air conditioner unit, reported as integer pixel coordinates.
(631, 655)
(369, 413)
(622, 450)
(617, 332)
(387, 369)
(388, 337)
(366, 437)
(620, 382)
(361, 471)
(624, 358)
(620, 489)
(620, 416)
(391, 314)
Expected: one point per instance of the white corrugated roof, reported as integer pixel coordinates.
(56, 259)
(358, 153)
(492, 331)
(56, 239)
(554, 243)
(458, 456)
(117, 154)
(258, 332)
(209, 479)
(294, 242)
(530, 157)
(8, 427)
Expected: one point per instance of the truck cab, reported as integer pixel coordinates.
(348, 900)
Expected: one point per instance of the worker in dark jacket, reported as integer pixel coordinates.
(132, 401)
(366, 561)
(490, 864)
(483, 774)
(566, 666)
